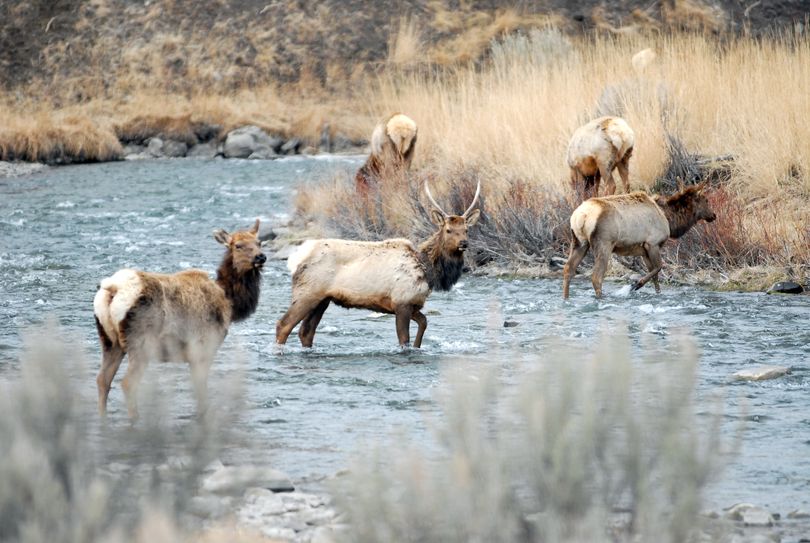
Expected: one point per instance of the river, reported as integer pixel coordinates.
(305, 411)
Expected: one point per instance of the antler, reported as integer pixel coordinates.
(475, 200)
(432, 201)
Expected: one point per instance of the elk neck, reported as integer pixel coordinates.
(680, 215)
(442, 269)
(241, 288)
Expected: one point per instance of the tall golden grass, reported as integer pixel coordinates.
(510, 122)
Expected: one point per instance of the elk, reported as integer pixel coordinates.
(632, 224)
(390, 276)
(392, 147)
(181, 316)
(595, 150)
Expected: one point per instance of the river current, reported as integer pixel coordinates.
(306, 412)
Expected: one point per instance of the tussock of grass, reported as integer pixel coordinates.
(589, 448)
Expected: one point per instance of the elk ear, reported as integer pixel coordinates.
(255, 229)
(437, 217)
(472, 218)
(222, 236)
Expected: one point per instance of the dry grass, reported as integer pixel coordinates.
(510, 123)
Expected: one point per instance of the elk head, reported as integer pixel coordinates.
(452, 234)
(244, 248)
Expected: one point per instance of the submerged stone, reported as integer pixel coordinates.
(761, 373)
(786, 287)
(235, 479)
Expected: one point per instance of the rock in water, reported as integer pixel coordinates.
(234, 480)
(249, 140)
(761, 373)
(786, 287)
(757, 516)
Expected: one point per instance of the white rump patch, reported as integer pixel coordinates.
(115, 296)
(300, 254)
(401, 129)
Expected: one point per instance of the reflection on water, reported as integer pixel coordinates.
(307, 409)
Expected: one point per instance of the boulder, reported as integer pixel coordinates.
(291, 147)
(786, 287)
(203, 150)
(264, 153)
(247, 140)
(510, 324)
(266, 232)
(761, 373)
(757, 516)
(174, 149)
(233, 480)
(155, 147)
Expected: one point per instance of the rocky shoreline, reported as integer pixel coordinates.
(263, 501)
(204, 141)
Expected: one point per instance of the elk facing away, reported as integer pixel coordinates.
(631, 225)
(389, 276)
(595, 149)
(183, 316)
(392, 147)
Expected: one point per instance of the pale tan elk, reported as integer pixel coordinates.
(389, 276)
(393, 143)
(595, 150)
(632, 224)
(181, 317)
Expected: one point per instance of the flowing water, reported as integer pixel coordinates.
(307, 411)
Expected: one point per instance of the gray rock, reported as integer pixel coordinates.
(757, 516)
(798, 514)
(203, 150)
(16, 169)
(235, 479)
(342, 143)
(291, 147)
(264, 153)
(510, 324)
(133, 149)
(266, 232)
(174, 149)
(155, 147)
(210, 506)
(735, 511)
(263, 502)
(244, 141)
(761, 373)
(786, 287)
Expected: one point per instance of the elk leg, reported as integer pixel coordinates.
(403, 315)
(600, 263)
(421, 322)
(607, 174)
(135, 367)
(306, 333)
(199, 380)
(297, 312)
(624, 169)
(575, 256)
(111, 358)
(649, 264)
(654, 257)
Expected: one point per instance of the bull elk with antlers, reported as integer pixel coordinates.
(634, 224)
(183, 316)
(390, 276)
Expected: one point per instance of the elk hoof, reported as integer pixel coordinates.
(637, 285)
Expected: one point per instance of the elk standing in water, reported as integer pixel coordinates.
(182, 316)
(389, 276)
(392, 147)
(631, 225)
(595, 149)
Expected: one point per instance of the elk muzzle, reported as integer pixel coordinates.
(259, 260)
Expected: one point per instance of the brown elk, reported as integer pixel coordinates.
(595, 150)
(632, 224)
(389, 276)
(392, 148)
(182, 316)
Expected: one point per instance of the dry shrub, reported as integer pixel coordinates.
(182, 128)
(584, 447)
(56, 484)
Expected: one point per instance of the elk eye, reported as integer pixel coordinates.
(240, 246)
(448, 230)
